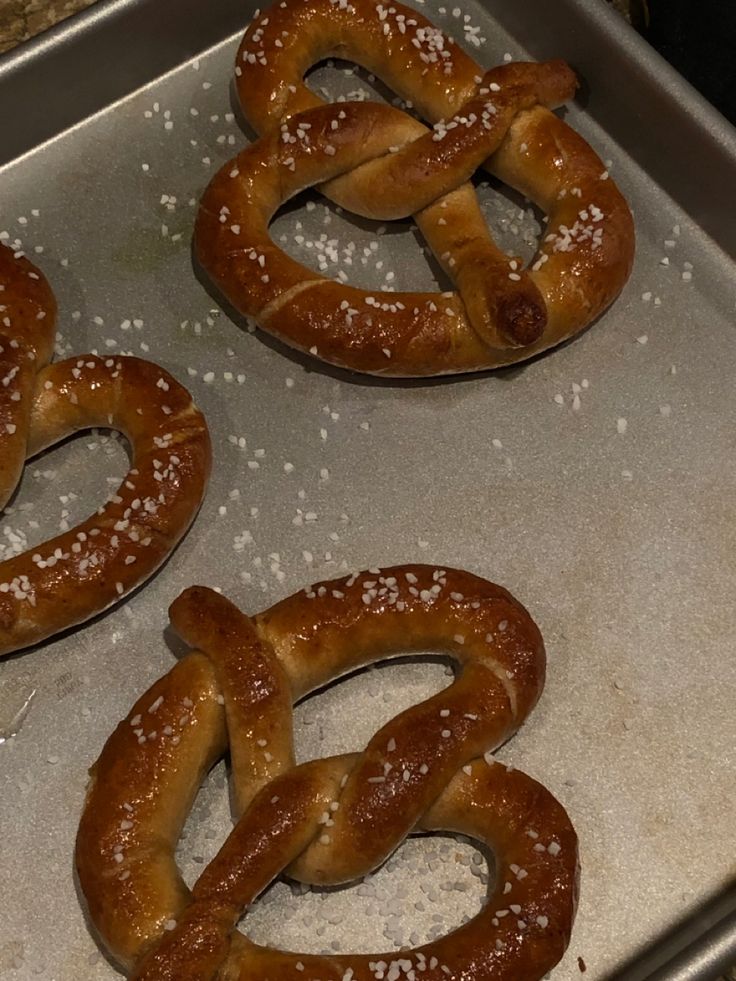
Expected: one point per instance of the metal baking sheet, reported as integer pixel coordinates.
(596, 483)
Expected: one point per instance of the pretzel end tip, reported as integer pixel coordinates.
(192, 597)
(521, 320)
(556, 82)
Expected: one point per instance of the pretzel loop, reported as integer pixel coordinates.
(381, 163)
(81, 572)
(332, 820)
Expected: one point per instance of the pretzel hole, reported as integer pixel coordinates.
(516, 224)
(50, 497)
(343, 716)
(430, 886)
(336, 80)
(208, 824)
(362, 252)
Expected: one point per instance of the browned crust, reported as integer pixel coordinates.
(81, 572)
(145, 779)
(27, 332)
(502, 313)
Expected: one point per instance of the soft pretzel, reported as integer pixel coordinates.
(331, 820)
(381, 163)
(79, 573)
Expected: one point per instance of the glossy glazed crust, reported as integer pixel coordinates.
(81, 572)
(381, 163)
(331, 820)
(27, 331)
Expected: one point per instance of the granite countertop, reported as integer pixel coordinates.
(22, 19)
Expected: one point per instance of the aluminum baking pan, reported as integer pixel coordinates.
(596, 483)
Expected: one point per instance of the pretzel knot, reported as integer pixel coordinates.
(379, 162)
(89, 567)
(331, 820)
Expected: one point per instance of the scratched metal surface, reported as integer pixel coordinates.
(596, 483)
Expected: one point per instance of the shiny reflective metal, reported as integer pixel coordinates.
(596, 482)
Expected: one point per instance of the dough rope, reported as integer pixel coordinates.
(336, 819)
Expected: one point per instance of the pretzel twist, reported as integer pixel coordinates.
(331, 820)
(81, 572)
(381, 163)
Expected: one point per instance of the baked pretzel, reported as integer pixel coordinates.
(81, 572)
(379, 162)
(331, 820)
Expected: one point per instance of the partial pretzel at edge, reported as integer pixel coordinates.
(81, 572)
